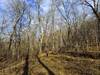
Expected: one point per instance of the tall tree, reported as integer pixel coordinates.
(95, 8)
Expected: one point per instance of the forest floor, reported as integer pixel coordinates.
(59, 64)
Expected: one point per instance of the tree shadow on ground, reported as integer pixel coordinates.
(48, 70)
(26, 66)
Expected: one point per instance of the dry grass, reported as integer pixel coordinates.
(59, 64)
